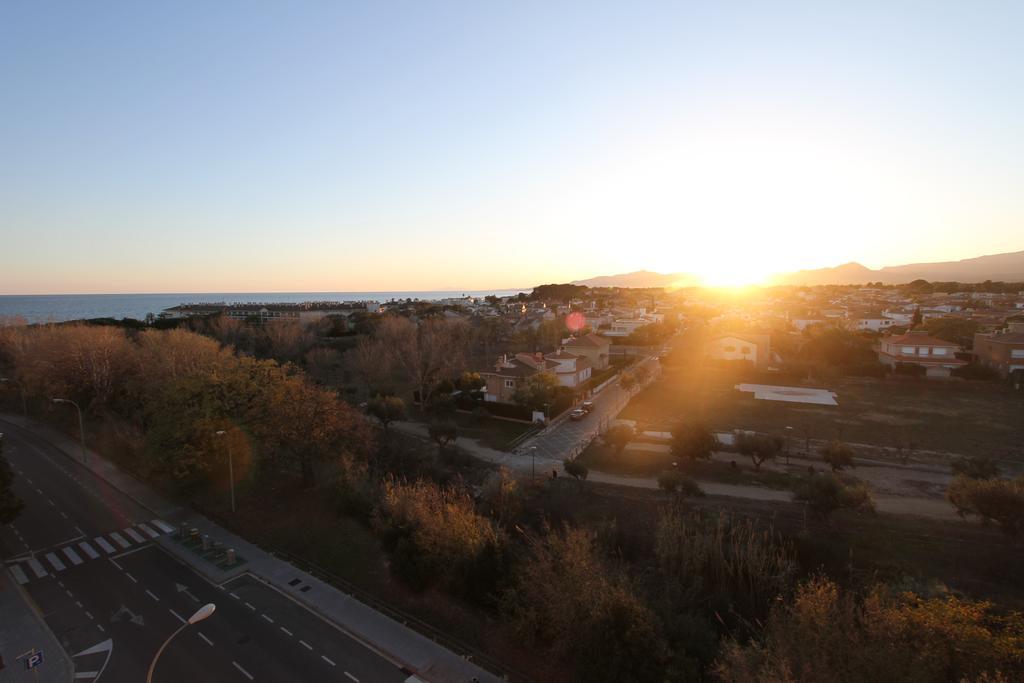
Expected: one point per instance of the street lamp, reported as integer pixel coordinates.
(81, 426)
(231, 469)
(204, 612)
(21, 387)
(533, 463)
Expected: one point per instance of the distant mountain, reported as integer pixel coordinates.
(641, 279)
(997, 267)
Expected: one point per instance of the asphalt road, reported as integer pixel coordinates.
(84, 553)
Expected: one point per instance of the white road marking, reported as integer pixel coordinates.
(19, 574)
(50, 501)
(64, 515)
(88, 550)
(114, 562)
(149, 532)
(40, 491)
(70, 594)
(102, 543)
(182, 620)
(119, 539)
(267, 618)
(55, 561)
(134, 535)
(102, 630)
(163, 526)
(79, 604)
(234, 596)
(207, 640)
(72, 555)
(250, 606)
(287, 631)
(134, 580)
(324, 657)
(150, 594)
(89, 614)
(87, 674)
(244, 672)
(352, 677)
(305, 645)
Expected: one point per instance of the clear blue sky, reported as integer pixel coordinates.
(247, 146)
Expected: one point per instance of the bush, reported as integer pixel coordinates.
(680, 483)
(825, 493)
(837, 454)
(693, 441)
(759, 447)
(975, 467)
(618, 437)
(825, 634)
(993, 500)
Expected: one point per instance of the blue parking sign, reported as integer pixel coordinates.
(34, 659)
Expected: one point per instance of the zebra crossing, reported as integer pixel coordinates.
(25, 569)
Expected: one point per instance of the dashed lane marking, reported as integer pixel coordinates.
(134, 580)
(267, 618)
(244, 672)
(286, 631)
(326, 659)
(205, 639)
(305, 645)
(179, 617)
(352, 677)
(150, 594)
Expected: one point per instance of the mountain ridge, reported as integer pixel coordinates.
(1006, 267)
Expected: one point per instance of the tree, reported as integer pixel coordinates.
(386, 409)
(957, 330)
(898, 636)
(678, 482)
(443, 432)
(759, 447)
(917, 319)
(427, 352)
(993, 500)
(642, 374)
(693, 441)
(975, 467)
(618, 437)
(627, 381)
(825, 493)
(10, 504)
(837, 454)
(566, 597)
(574, 468)
(537, 392)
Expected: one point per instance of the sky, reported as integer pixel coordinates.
(384, 146)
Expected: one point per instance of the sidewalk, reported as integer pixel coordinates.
(406, 647)
(21, 629)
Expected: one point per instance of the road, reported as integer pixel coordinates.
(566, 438)
(84, 553)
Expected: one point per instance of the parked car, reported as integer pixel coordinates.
(587, 406)
(577, 414)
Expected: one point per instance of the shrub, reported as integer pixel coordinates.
(680, 483)
(993, 500)
(759, 447)
(618, 437)
(576, 469)
(837, 454)
(825, 493)
(826, 634)
(975, 467)
(693, 441)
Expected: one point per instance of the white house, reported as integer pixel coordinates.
(917, 347)
(572, 370)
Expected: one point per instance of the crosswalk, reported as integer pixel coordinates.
(25, 569)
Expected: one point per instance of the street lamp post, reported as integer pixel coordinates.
(21, 389)
(231, 469)
(81, 426)
(203, 612)
(533, 463)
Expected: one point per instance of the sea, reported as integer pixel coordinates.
(41, 308)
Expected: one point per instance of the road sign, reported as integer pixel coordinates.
(34, 659)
